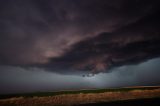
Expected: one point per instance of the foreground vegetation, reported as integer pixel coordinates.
(131, 102)
(79, 97)
(43, 94)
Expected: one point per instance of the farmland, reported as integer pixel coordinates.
(79, 97)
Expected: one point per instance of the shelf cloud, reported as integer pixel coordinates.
(90, 35)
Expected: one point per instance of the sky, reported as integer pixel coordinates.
(51, 45)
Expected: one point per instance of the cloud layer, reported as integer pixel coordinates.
(78, 34)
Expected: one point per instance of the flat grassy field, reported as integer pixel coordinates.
(80, 97)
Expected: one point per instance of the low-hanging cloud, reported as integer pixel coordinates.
(132, 44)
(20, 80)
(77, 34)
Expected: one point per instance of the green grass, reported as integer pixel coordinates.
(43, 94)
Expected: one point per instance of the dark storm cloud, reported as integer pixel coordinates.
(131, 44)
(67, 34)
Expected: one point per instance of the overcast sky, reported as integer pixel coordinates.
(50, 45)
